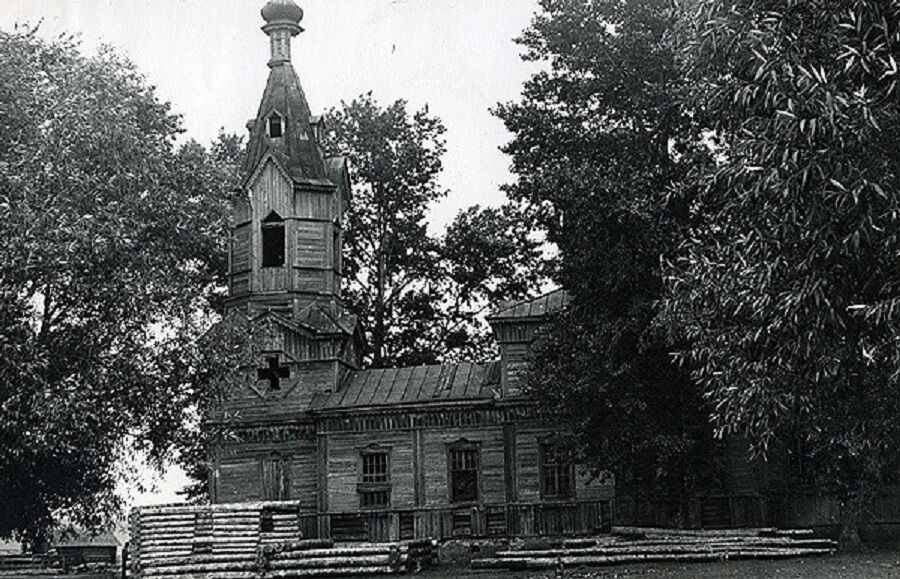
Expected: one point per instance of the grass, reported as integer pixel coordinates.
(874, 564)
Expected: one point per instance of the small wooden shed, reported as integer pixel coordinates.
(85, 547)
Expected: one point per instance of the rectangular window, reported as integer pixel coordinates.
(374, 486)
(374, 467)
(463, 474)
(557, 469)
(272, 240)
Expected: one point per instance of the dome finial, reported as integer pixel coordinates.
(282, 22)
(282, 11)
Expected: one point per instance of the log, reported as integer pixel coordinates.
(201, 568)
(530, 563)
(331, 572)
(323, 562)
(218, 508)
(661, 546)
(344, 551)
(658, 531)
(206, 558)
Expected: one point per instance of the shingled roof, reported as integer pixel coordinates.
(297, 151)
(414, 385)
(532, 308)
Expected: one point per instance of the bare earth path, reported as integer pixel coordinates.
(875, 565)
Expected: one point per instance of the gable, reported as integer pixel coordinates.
(271, 190)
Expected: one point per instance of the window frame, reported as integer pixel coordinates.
(464, 445)
(544, 447)
(274, 117)
(272, 224)
(372, 488)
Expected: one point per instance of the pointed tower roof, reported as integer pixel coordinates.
(294, 144)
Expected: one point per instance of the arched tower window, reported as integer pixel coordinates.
(272, 240)
(276, 128)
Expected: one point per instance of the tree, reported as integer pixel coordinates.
(211, 175)
(104, 257)
(419, 295)
(396, 160)
(788, 284)
(601, 138)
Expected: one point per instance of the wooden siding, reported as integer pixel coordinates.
(272, 191)
(312, 280)
(239, 470)
(240, 249)
(513, 363)
(491, 471)
(250, 398)
(313, 244)
(238, 480)
(528, 464)
(314, 204)
(343, 468)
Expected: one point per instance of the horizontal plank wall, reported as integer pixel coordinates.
(344, 463)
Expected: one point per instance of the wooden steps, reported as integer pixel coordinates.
(639, 545)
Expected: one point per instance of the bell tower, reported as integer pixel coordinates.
(286, 234)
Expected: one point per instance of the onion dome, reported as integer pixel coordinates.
(282, 11)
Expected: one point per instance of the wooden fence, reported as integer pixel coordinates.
(714, 511)
(488, 520)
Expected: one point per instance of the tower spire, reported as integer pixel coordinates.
(282, 23)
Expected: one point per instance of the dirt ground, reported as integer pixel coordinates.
(875, 565)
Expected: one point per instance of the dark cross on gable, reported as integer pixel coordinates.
(273, 373)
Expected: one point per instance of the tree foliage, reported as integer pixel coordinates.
(420, 295)
(100, 264)
(600, 137)
(787, 288)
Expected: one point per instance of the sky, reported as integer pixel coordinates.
(208, 58)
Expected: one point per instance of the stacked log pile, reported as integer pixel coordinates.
(253, 541)
(18, 566)
(633, 545)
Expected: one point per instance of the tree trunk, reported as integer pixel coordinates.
(852, 509)
(380, 330)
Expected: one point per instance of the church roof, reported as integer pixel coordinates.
(317, 319)
(532, 308)
(297, 151)
(414, 385)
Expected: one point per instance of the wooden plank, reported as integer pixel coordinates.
(322, 486)
(460, 380)
(476, 381)
(415, 391)
(365, 395)
(380, 393)
(418, 469)
(400, 384)
(444, 381)
(510, 464)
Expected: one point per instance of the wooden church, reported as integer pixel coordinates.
(356, 453)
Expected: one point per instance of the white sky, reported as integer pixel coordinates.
(208, 58)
